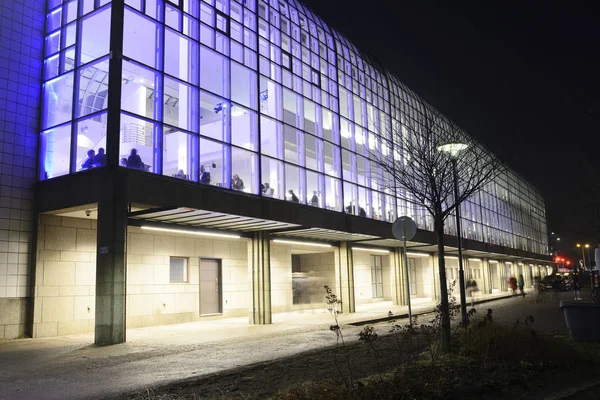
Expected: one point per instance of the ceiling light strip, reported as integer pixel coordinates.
(282, 241)
(411, 254)
(370, 250)
(199, 233)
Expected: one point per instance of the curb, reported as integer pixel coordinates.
(572, 392)
(405, 316)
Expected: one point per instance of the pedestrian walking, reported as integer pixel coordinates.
(512, 284)
(521, 283)
(576, 287)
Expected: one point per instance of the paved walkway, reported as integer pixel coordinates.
(70, 368)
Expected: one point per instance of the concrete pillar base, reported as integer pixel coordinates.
(344, 276)
(260, 313)
(111, 270)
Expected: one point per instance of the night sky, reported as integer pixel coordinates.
(523, 79)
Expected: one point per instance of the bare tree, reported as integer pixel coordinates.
(419, 173)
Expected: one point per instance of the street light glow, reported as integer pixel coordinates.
(452, 148)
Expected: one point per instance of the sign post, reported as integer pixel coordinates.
(404, 228)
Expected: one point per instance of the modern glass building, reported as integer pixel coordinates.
(187, 142)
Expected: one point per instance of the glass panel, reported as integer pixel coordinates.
(272, 178)
(214, 157)
(214, 117)
(331, 157)
(293, 146)
(293, 178)
(55, 151)
(333, 194)
(58, 101)
(180, 106)
(141, 39)
(214, 72)
(180, 155)
(93, 88)
(270, 98)
(91, 142)
(314, 183)
(271, 137)
(53, 20)
(139, 94)
(138, 140)
(51, 66)
(244, 128)
(181, 57)
(95, 36)
(243, 86)
(310, 152)
(244, 167)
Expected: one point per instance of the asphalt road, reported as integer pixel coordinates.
(68, 368)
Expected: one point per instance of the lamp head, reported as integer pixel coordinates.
(452, 148)
(587, 245)
(578, 245)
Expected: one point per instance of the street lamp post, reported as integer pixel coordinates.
(582, 253)
(587, 246)
(453, 149)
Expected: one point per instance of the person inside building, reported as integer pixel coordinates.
(135, 161)
(89, 161)
(237, 183)
(314, 200)
(180, 174)
(100, 158)
(204, 175)
(268, 190)
(124, 162)
(292, 196)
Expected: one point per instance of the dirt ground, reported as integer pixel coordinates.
(261, 380)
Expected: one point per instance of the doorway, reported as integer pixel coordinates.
(210, 287)
(494, 277)
(412, 276)
(377, 276)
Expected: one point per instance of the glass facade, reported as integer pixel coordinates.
(258, 96)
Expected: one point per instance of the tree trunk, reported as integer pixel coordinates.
(444, 306)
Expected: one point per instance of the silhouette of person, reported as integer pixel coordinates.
(89, 161)
(314, 201)
(268, 190)
(135, 161)
(237, 183)
(100, 158)
(293, 197)
(204, 175)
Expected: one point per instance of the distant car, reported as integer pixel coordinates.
(556, 282)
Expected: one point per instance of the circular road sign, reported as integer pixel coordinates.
(404, 228)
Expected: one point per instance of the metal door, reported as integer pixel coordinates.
(210, 287)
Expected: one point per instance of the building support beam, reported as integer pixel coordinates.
(398, 286)
(344, 276)
(260, 313)
(111, 266)
(487, 277)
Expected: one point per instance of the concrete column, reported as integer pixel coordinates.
(487, 277)
(436, 277)
(260, 313)
(397, 277)
(111, 268)
(344, 276)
